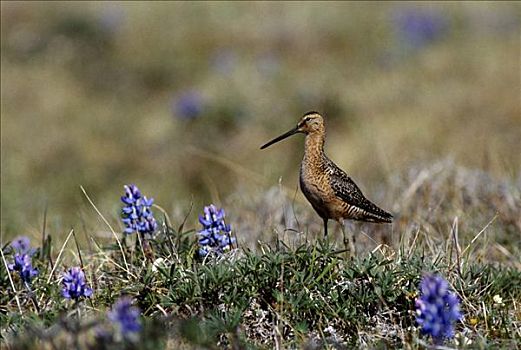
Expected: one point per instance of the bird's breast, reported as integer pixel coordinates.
(315, 187)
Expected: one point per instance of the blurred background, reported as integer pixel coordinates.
(177, 98)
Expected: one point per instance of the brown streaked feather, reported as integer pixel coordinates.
(345, 189)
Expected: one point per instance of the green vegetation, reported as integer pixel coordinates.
(422, 107)
(299, 292)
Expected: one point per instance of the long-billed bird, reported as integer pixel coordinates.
(331, 192)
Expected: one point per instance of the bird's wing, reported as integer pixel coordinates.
(348, 191)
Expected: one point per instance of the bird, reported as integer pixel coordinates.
(329, 190)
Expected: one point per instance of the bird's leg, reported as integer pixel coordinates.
(325, 226)
(353, 241)
(349, 240)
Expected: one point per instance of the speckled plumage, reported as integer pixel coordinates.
(360, 208)
(331, 192)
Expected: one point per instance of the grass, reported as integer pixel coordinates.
(93, 102)
(296, 290)
(178, 97)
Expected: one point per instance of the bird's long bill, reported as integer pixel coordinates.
(280, 138)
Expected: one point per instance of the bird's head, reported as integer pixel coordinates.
(310, 123)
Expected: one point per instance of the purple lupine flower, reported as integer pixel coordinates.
(189, 105)
(418, 27)
(126, 317)
(22, 264)
(136, 214)
(437, 309)
(215, 235)
(75, 285)
(21, 244)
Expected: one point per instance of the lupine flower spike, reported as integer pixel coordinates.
(21, 244)
(437, 309)
(136, 214)
(74, 284)
(419, 28)
(126, 318)
(22, 264)
(215, 235)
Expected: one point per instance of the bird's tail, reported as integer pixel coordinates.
(372, 213)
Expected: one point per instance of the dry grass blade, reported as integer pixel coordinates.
(108, 258)
(109, 226)
(411, 249)
(454, 232)
(515, 260)
(167, 218)
(59, 255)
(12, 283)
(229, 164)
(479, 234)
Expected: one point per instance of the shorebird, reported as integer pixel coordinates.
(331, 192)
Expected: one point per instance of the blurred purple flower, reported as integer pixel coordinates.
(267, 64)
(189, 105)
(418, 27)
(22, 264)
(224, 61)
(126, 317)
(111, 17)
(21, 244)
(437, 308)
(75, 285)
(136, 214)
(215, 235)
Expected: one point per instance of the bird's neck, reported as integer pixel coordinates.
(314, 148)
